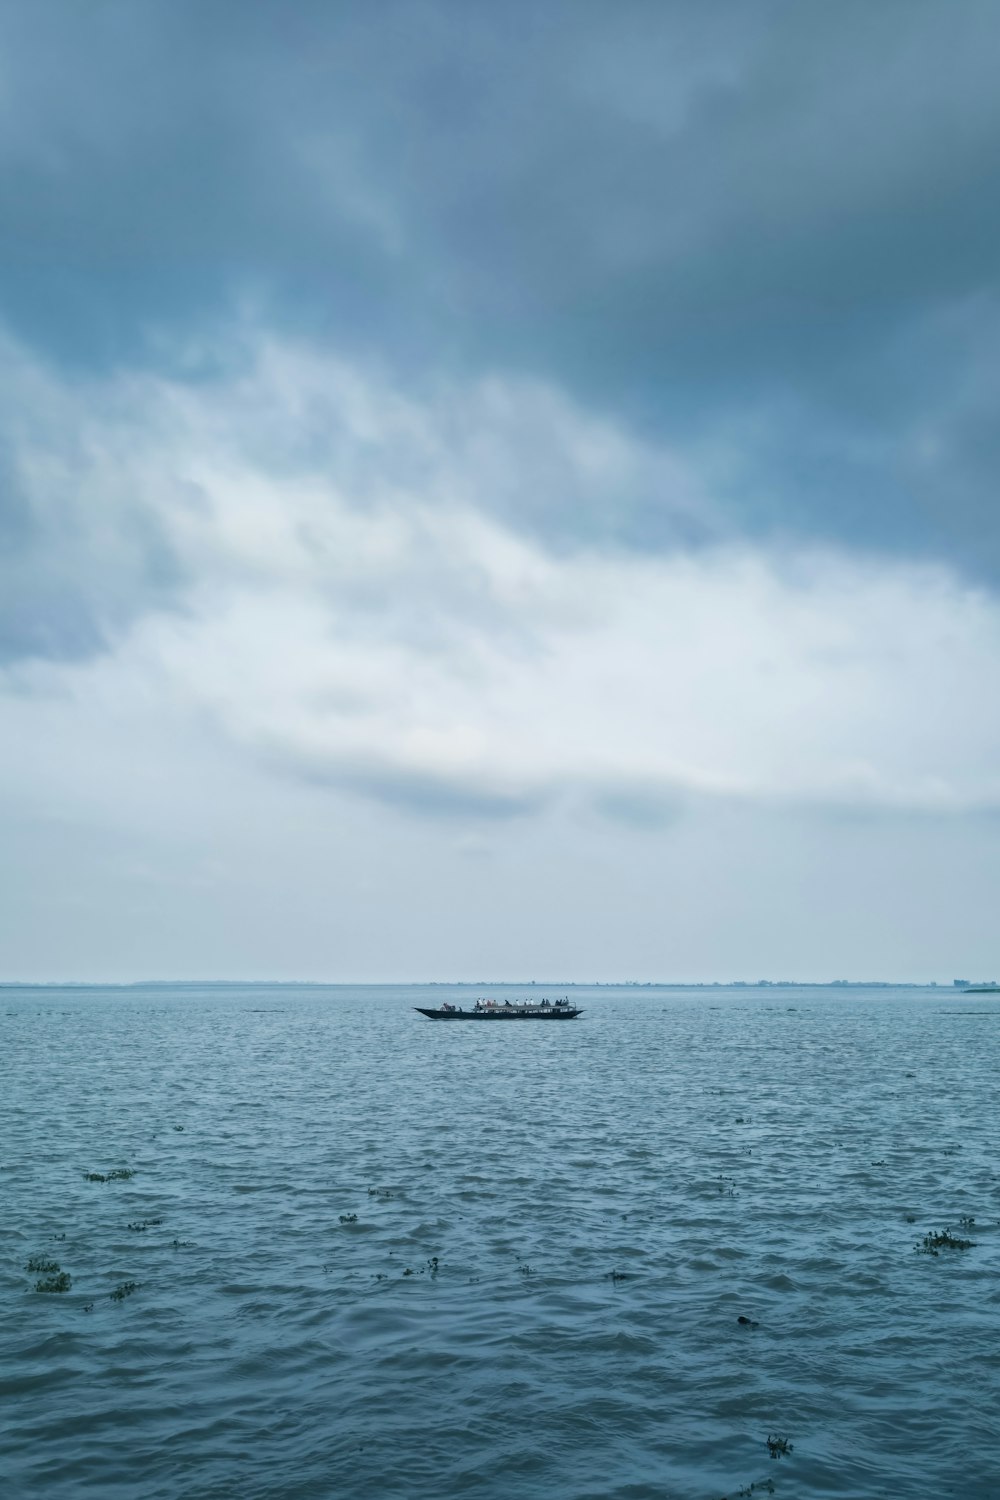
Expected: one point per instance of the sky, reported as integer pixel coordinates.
(499, 491)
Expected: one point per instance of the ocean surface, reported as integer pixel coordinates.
(365, 1255)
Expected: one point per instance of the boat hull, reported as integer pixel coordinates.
(502, 1013)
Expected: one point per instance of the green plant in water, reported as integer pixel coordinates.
(42, 1263)
(61, 1281)
(778, 1447)
(125, 1290)
(931, 1244)
(95, 1177)
(121, 1174)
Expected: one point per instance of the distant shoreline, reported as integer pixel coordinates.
(480, 984)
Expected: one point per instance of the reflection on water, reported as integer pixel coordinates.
(370, 1255)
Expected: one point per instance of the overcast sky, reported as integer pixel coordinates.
(499, 489)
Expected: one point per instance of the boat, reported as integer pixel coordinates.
(504, 1010)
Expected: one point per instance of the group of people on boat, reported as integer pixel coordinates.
(519, 1005)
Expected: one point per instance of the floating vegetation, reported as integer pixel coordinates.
(95, 1177)
(181, 1244)
(525, 1269)
(933, 1244)
(432, 1265)
(759, 1487)
(407, 1272)
(778, 1447)
(60, 1281)
(878, 1163)
(380, 1193)
(727, 1185)
(178, 1127)
(747, 1322)
(125, 1290)
(966, 1222)
(121, 1174)
(348, 1218)
(142, 1225)
(51, 1276)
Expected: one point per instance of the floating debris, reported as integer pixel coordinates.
(747, 1322)
(143, 1224)
(61, 1281)
(178, 1127)
(41, 1263)
(348, 1218)
(380, 1193)
(932, 1244)
(778, 1447)
(125, 1290)
(525, 1269)
(616, 1276)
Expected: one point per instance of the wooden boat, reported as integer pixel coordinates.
(504, 1010)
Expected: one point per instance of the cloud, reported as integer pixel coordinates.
(746, 231)
(372, 619)
(85, 547)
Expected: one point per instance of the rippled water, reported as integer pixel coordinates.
(772, 1155)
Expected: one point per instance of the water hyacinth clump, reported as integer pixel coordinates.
(933, 1244)
(59, 1281)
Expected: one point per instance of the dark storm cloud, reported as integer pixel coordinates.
(737, 227)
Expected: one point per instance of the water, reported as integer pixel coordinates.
(774, 1155)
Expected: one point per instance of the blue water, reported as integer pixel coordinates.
(774, 1155)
